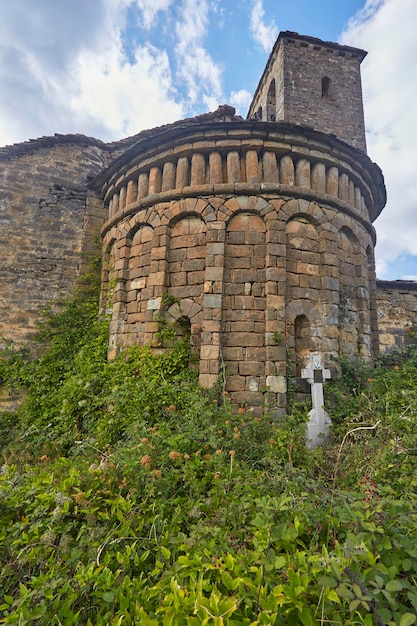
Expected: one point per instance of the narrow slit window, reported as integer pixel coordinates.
(271, 103)
(325, 86)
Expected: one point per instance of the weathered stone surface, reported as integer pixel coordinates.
(259, 232)
(47, 220)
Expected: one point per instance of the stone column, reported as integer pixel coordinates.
(143, 185)
(132, 191)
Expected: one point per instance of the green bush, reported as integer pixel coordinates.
(131, 496)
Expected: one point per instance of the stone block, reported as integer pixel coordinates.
(243, 339)
(209, 352)
(214, 273)
(154, 304)
(231, 353)
(138, 283)
(157, 278)
(208, 380)
(276, 384)
(212, 301)
(330, 283)
(244, 302)
(251, 368)
(235, 383)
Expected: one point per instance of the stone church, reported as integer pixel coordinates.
(254, 237)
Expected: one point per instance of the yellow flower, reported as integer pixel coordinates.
(157, 473)
(186, 456)
(219, 451)
(232, 452)
(173, 455)
(216, 476)
(144, 440)
(207, 457)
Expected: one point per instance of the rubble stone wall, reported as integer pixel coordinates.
(47, 223)
(397, 312)
(313, 83)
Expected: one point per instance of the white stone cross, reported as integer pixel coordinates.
(318, 425)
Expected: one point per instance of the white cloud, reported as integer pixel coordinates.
(126, 97)
(150, 9)
(263, 34)
(196, 68)
(62, 69)
(241, 100)
(386, 28)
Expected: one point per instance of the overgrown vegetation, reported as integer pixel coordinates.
(130, 496)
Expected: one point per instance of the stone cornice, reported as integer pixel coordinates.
(280, 154)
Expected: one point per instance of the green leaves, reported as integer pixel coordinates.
(138, 498)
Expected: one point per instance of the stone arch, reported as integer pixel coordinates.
(244, 307)
(187, 315)
(140, 240)
(303, 328)
(140, 243)
(304, 208)
(303, 258)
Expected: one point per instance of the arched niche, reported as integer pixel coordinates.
(139, 267)
(187, 258)
(244, 307)
(303, 259)
(350, 318)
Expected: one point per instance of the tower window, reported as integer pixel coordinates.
(271, 103)
(325, 86)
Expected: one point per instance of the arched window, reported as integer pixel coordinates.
(271, 103)
(325, 86)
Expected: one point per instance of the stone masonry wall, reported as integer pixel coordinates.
(47, 223)
(316, 84)
(397, 312)
(262, 235)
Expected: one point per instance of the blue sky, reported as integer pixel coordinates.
(110, 68)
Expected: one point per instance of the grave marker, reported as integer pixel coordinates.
(318, 425)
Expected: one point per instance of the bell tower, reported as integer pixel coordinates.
(313, 83)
